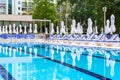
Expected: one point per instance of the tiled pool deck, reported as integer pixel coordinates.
(113, 45)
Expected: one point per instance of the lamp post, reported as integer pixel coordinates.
(95, 22)
(104, 10)
(66, 16)
(95, 27)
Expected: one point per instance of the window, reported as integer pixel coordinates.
(18, 8)
(18, 13)
(9, 6)
(24, 5)
(18, 2)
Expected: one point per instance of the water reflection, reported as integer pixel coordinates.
(114, 53)
(30, 50)
(62, 53)
(57, 48)
(10, 51)
(0, 49)
(89, 58)
(78, 53)
(54, 74)
(107, 55)
(20, 50)
(6, 50)
(112, 64)
(3, 50)
(52, 52)
(73, 55)
(25, 47)
(66, 78)
(73, 59)
(46, 48)
(35, 50)
(14, 53)
(15, 63)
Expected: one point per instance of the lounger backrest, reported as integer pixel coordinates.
(92, 36)
(114, 36)
(100, 37)
(83, 37)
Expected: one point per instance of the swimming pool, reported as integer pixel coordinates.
(29, 61)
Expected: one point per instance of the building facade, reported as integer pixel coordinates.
(15, 7)
(2, 7)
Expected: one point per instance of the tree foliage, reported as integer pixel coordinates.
(44, 9)
(64, 9)
(81, 10)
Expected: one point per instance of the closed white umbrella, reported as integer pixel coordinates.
(107, 27)
(89, 29)
(17, 30)
(96, 30)
(57, 30)
(46, 30)
(66, 31)
(20, 28)
(3, 30)
(73, 27)
(62, 29)
(14, 31)
(10, 31)
(6, 31)
(101, 30)
(73, 30)
(30, 28)
(112, 27)
(79, 28)
(35, 29)
(52, 29)
(25, 32)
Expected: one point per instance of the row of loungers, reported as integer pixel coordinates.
(84, 37)
(18, 36)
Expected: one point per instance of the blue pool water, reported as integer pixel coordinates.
(28, 61)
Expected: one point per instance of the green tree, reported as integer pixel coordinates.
(81, 10)
(64, 9)
(44, 9)
(113, 7)
(64, 12)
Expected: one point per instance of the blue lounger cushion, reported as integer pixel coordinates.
(31, 36)
(4, 36)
